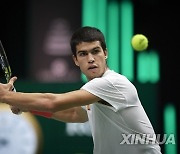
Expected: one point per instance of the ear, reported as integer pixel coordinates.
(106, 54)
(75, 60)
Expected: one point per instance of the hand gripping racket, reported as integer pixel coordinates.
(6, 67)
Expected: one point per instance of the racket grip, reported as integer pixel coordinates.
(14, 89)
(15, 110)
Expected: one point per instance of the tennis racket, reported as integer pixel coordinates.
(7, 72)
(4, 63)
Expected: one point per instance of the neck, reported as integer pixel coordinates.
(106, 68)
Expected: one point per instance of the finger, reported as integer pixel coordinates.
(11, 83)
(12, 80)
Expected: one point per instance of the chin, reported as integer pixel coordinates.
(94, 76)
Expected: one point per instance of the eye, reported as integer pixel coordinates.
(95, 51)
(81, 54)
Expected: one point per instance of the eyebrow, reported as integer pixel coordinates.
(88, 50)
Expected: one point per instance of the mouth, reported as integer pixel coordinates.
(92, 67)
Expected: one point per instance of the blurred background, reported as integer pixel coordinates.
(36, 35)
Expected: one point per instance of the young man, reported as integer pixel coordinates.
(108, 100)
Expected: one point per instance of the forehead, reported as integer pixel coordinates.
(85, 46)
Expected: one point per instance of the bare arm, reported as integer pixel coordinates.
(76, 114)
(45, 101)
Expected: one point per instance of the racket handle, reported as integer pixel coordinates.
(14, 89)
(15, 110)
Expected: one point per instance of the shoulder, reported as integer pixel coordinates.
(109, 80)
(112, 78)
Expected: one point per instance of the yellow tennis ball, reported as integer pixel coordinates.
(139, 42)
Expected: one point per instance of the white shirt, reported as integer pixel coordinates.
(125, 116)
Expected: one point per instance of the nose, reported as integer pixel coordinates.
(90, 58)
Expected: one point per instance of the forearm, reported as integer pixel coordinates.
(45, 102)
(73, 115)
(29, 101)
(48, 102)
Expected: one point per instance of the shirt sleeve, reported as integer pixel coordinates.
(106, 90)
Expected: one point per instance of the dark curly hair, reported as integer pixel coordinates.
(87, 34)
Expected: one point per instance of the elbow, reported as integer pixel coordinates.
(84, 120)
(79, 116)
(49, 102)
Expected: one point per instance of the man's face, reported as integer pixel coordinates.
(91, 59)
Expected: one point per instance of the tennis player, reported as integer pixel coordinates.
(108, 100)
